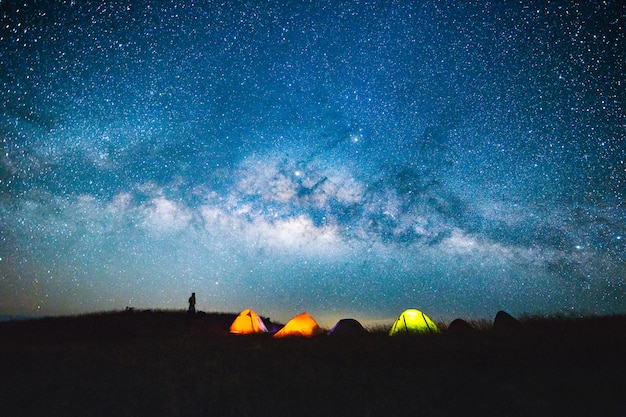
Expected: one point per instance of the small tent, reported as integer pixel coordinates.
(301, 325)
(347, 327)
(460, 326)
(413, 321)
(506, 323)
(248, 322)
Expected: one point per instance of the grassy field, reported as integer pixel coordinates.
(167, 364)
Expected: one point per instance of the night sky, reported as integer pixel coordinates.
(345, 158)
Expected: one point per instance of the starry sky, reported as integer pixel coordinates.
(345, 158)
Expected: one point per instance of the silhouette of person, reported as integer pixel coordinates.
(192, 303)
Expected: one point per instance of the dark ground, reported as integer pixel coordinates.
(166, 364)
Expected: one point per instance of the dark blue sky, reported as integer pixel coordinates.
(349, 158)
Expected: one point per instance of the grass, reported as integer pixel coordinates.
(165, 364)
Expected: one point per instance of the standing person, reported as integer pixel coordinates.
(192, 304)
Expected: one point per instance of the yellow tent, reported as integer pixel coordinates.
(413, 321)
(248, 322)
(301, 325)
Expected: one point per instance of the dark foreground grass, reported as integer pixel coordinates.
(165, 364)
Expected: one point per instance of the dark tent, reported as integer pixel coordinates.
(347, 327)
(504, 322)
(460, 326)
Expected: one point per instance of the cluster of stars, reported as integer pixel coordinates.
(351, 158)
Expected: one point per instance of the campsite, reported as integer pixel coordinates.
(167, 363)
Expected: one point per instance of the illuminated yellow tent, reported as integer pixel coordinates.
(413, 321)
(301, 325)
(248, 322)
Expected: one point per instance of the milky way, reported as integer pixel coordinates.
(351, 158)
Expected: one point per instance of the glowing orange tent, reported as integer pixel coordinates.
(248, 322)
(301, 325)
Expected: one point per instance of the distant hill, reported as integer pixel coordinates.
(8, 317)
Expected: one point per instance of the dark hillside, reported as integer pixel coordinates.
(112, 326)
(166, 364)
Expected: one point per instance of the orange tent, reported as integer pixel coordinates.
(248, 322)
(301, 325)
